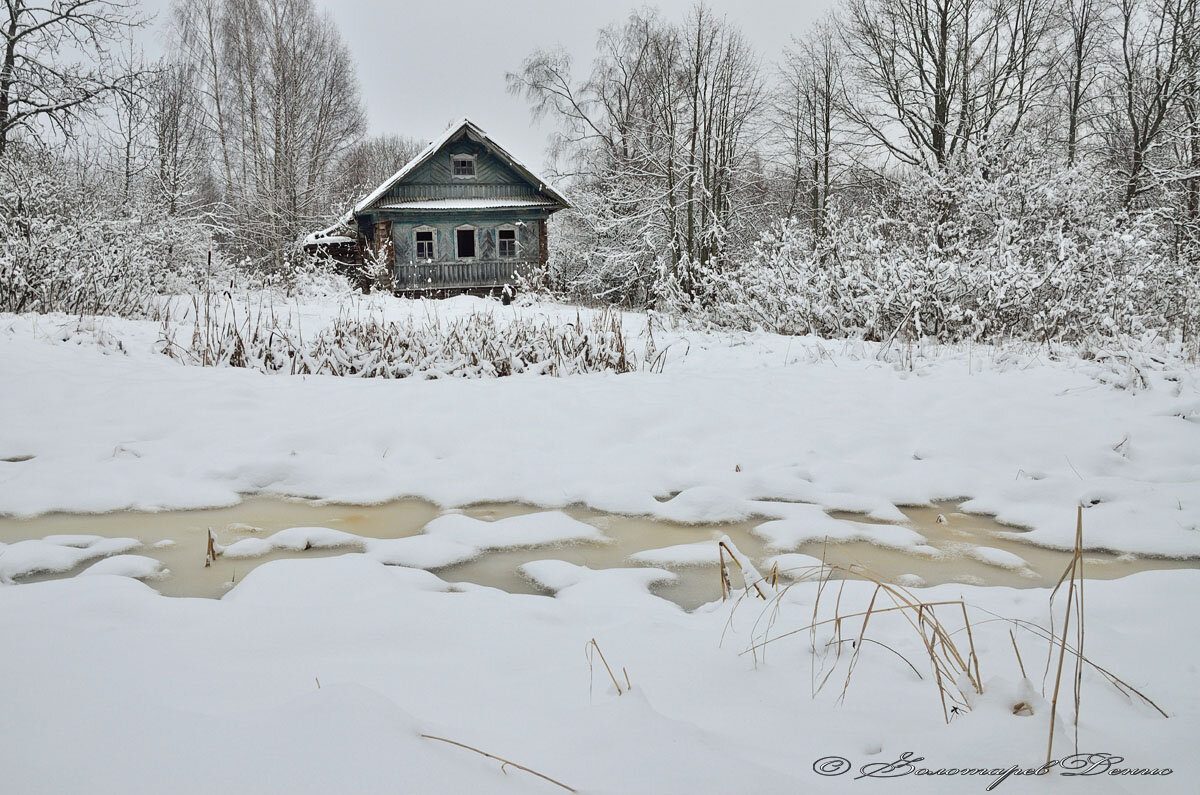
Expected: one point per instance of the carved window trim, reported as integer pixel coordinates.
(475, 237)
(515, 241)
(417, 243)
(466, 163)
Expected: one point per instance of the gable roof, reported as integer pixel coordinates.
(449, 135)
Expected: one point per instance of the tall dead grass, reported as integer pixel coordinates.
(944, 631)
(478, 345)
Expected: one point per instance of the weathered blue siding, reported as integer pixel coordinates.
(446, 270)
(489, 169)
(479, 201)
(445, 226)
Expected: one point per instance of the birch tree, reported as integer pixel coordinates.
(281, 104)
(809, 107)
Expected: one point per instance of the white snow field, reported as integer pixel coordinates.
(321, 675)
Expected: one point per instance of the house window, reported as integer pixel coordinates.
(465, 238)
(463, 166)
(425, 244)
(507, 239)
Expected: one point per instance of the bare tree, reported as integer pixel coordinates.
(1150, 74)
(1083, 29)
(937, 77)
(369, 162)
(662, 137)
(282, 103)
(179, 143)
(809, 111)
(39, 83)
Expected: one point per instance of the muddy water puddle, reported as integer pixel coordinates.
(955, 537)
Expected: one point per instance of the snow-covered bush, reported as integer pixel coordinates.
(63, 246)
(1030, 254)
(479, 345)
(305, 276)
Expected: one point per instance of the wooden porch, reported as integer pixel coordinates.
(463, 275)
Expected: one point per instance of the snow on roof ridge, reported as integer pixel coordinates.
(453, 204)
(437, 144)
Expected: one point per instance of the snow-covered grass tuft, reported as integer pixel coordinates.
(477, 345)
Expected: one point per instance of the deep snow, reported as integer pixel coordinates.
(733, 420)
(320, 675)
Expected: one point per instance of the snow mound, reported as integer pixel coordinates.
(700, 553)
(446, 541)
(293, 539)
(138, 567)
(706, 504)
(526, 530)
(421, 552)
(324, 583)
(997, 557)
(79, 541)
(599, 586)
(54, 554)
(816, 525)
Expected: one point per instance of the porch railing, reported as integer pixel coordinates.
(464, 274)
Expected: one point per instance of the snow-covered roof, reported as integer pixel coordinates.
(326, 240)
(449, 135)
(332, 234)
(463, 204)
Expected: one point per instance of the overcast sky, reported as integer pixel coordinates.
(424, 64)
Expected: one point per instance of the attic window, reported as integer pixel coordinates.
(463, 166)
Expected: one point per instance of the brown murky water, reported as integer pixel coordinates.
(261, 516)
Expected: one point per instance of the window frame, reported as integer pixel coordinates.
(474, 230)
(516, 242)
(433, 243)
(474, 161)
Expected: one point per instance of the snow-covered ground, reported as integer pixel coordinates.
(321, 675)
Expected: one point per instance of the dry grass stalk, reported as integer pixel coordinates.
(591, 646)
(1073, 576)
(946, 659)
(948, 662)
(210, 554)
(503, 762)
(1017, 651)
(726, 586)
(1119, 684)
(750, 576)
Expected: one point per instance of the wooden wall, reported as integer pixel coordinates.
(494, 179)
(529, 245)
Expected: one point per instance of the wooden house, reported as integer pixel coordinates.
(463, 215)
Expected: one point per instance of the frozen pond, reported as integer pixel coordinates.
(949, 554)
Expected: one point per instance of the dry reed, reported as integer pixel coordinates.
(503, 762)
(593, 647)
(478, 345)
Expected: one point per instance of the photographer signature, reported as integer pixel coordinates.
(1094, 764)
